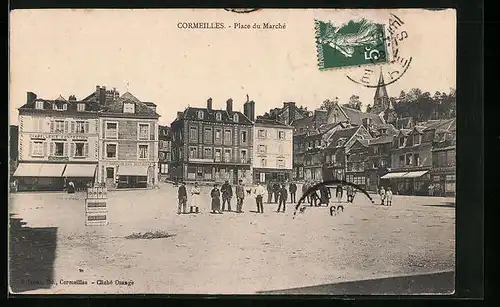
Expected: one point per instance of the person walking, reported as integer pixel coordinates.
(269, 192)
(293, 190)
(215, 195)
(339, 191)
(195, 195)
(305, 188)
(283, 195)
(240, 196)
(227, 194)
(350, 193)
(276, 192)
(388, 196)
(182, 195)
(382, 196)
(259, 195)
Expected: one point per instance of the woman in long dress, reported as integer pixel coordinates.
(215, 194)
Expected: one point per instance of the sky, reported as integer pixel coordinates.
(69, 52)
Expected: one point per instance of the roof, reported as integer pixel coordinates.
(356, 116)
(405, 132)
(402, 122)
(149, 104)
(446, 124)
(116, 106)
(342, 133)
(420, 129)
(60, 98)
(384, 139)
(72, 105)
(271, 122)
(209, 115)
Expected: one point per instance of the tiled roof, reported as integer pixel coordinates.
(402, 122)
(357, 116)
(342, 133)
(60, 98)
(384, 139)
(72, 105)
(209, 115)
(116, 106)
(272, 122)
(446, 124)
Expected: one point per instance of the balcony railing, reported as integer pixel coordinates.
(220, 160)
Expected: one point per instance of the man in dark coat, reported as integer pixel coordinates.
(325, 195)
(293, 190)
(283, 195)
(215, 195)
(240, 196)
(276, 191)
(182, 195)
(227, 194)
(269, 192)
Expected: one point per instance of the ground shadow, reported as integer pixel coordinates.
(31, 256)
(438, 283)
(446, 204)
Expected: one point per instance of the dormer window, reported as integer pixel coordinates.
(60, 107)
(200, 114)
(128, 107)
(39, 105)
(340, 142)
(218, 116)
(236, 118)
(80, 107)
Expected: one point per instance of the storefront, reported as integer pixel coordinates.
(82, 175)
(443, 182)
(40, 177)
(407, 182)
(263, 175)
(131, 176)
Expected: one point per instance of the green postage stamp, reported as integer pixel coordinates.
(354, 43)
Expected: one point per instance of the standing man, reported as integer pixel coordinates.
(182, 195)
(276, 191)
(339, 193)
(215, 195)
(382, 196)
(293, 191)
(259, 194)
(350, 193)
(305, 188)
(388, 196)
(283, 195)
(269, 192)
(240, 196)
(195, 195)
(227, 194)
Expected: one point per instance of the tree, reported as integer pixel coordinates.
(354, 103)
(368, 108)
(328, 104)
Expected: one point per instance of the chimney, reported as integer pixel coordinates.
(30, 97)
(179, 115)
(209, 104)
(291, 113)
(229, 105)
(72, 98)
(102, 95)
(249, 110)
(97, 89)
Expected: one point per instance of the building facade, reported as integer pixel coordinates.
(273, 151)
(443, 172)
(128, 140)
(164, 152)
(212, 145)
(13, 148)
(355, 163)
(58, 142)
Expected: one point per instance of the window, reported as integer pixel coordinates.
(450, 177)
(243, 156)
(59, 149)
(193, 152)
(227, 155)
(112, 130)
(161, 156)
(262, 134)
(143, 151)
(327, 159)
(111, 151)
(199, 172)
(401, 141)
(227, 137)
(208, 153)
(39, 105)
(450, 158)
(80, 127)
(218, 116)
(64, 107)
(416, 157)
(280, 163)
(375, 149)
(200, 114)
(436, 178)
(168, 156)
(110, 173)
(236, 117)
(164, 168)
(409, 159)
(262, 148)
(218, 155)
(193, 134)
(263, 162)
(401, 160)
(79, 150)
(143, 131)
(80, 107)
(218, 135)
(317, 144)
(59, 126)
(208, 135)
(37, 149)
(244, 136)
(128, 107)
(441, 158)
(416, 139)
(340, 142)
(334, 159)
(281, 135)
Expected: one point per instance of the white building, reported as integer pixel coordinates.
(272, 151)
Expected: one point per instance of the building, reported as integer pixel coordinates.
(58, 142)
(211, 145)
(378, 157)
(13, 148)
(443, 172)
(128, 140)
(273, 151)
(287, 114)
(355, 163)
(164, 152)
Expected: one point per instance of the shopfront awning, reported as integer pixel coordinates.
(394, 175)
(415, 174)
(132, 171)
(52, 170)
(79, 170)
(28, 170)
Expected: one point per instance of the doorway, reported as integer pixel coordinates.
(110, 176)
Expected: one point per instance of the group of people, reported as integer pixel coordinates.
(385, 196)
(223, 195)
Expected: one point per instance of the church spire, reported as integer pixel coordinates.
(381, 91)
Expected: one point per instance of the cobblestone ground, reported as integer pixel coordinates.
(235, 253)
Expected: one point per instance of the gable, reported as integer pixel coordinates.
(336, 115)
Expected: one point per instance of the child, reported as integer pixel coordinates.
(215, 194)
(388, 197)
(195, 194)
(382, 196)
